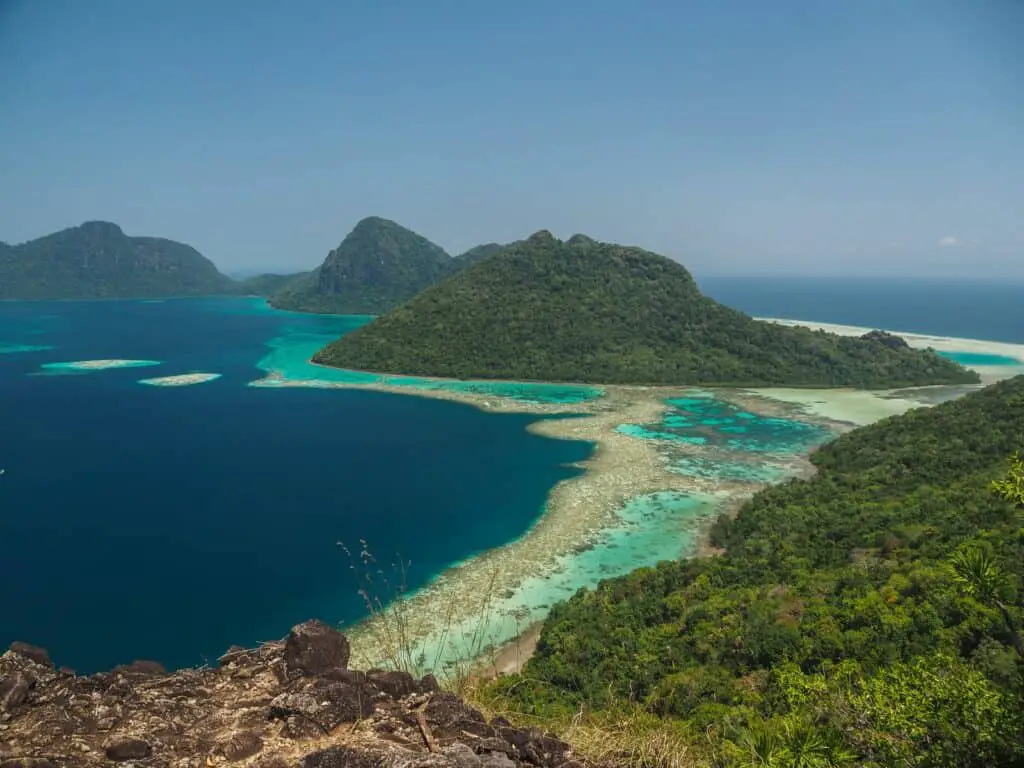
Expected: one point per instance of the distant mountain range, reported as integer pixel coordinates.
(377, 266)
(584, 311)
(98, 260)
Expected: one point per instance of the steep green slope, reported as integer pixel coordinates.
(378, 265)
(98, 260)
(475, 254)
(267, 284)
(861, 606)
(581, 311)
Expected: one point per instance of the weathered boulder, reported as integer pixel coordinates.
(33, 652)
(127, 748)
(239, 746)
(14, 689)
(314, 648)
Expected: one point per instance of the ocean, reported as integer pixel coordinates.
(169, 523)
(973, 309)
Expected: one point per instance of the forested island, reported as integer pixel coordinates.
(583, 311)
(378, 265)
(98, 260)
(868, 616)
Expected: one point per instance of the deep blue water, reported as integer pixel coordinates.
(170, 523)
(989, 310)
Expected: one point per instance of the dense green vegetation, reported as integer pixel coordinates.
(267, 284)
(475, 254)
(378, 265)
(581, 311)
(868, 616)
(98, 260)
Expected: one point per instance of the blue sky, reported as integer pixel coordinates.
(738, 136)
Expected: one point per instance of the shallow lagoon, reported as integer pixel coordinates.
(292, 349)
(974, 359)
(704, 420)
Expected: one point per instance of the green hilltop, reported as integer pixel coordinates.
(868, 616)
(98, 260)
(475, 254)
(584, 311)
(379, 265)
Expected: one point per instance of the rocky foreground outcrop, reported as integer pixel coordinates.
(284, 704)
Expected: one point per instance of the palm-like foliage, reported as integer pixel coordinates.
(978, 574)
(1011, 487)
(793, 744)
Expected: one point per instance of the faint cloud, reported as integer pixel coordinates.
(949, 242)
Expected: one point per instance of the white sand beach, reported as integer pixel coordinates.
(180, 380)
(949, 344)
(98, 365)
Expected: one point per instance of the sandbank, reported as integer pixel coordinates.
(98, 365)
(14, 349)
(180, 380)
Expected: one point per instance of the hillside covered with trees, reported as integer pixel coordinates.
(98, 260)
(870, 615)
(475, 254)
(378, 265)
(583, 311)
(267, 284)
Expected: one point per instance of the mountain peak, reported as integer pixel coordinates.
(378, 265)
(542, 237)
(97, 259)
(101, 228)
(579, 240)
(374, 222)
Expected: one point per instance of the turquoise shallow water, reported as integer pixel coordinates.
(647, 530)
(299, 341)
(704, 420)
(713, 440)
(977, 358)
(13, 349)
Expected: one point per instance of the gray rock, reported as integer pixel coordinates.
(462, 755)
(313, 648)
(34, 652)
(14, 690)
(392, 682)
(341, 757)
(497, 760)
(240, 746)
(128, 748)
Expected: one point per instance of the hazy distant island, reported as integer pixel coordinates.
(267, 284)
(590, 312)
(98, 260)
(378, 265)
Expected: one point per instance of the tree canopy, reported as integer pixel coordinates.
(582, 311)
(870, 614)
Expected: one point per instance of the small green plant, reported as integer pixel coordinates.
(1011, 487)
